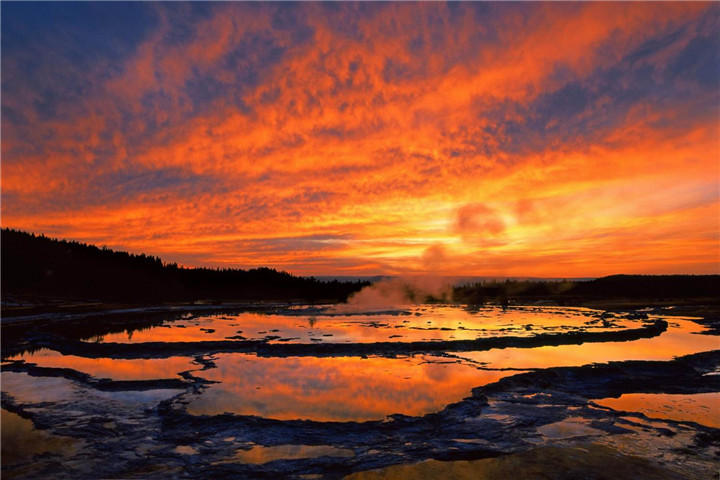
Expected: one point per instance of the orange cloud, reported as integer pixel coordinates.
(488, 139)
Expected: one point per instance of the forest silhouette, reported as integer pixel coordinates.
(35, 265)
(38, 265)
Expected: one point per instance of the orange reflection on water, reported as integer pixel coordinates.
(423, 323)
(680, 339)
(21, 441)
(195, 329)
(138, 369)
(702, 408)
(258, 454)
(335, 389)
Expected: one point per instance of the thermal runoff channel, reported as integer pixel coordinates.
(518, 139)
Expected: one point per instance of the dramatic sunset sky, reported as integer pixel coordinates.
(542, 139)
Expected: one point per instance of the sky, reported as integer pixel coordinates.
(490, 139)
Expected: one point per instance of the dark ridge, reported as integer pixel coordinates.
(616, 287)
(42, 266)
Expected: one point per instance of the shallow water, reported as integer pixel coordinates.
(702, 408)
(259, 454)
(113, 368)
(355, 388)
(544, 463)
(682, 338)
(335, 388)
(21, 441)
(568, 428)
(27, 389)
(43, 390)
(332, 388)
(414, 323)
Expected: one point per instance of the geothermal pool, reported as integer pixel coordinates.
(189, 388)
(414, 323)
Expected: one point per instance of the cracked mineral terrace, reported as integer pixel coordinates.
(301, 392)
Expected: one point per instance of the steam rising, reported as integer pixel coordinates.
(394, 293)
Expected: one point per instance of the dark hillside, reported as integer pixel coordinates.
(617, 287)
(38, 265)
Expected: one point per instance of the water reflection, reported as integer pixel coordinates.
(589, 460)
(569, 428)
(186, 450)
(680, 339)
(702, 408)
(417, 323)
(21, 442)
(335, 389)
(353, 388)
(259, 454)
(116, 369)
(29, 389)
(24, 388)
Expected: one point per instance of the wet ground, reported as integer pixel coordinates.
(304, 392)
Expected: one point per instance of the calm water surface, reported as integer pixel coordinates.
(415, 323)
(335, 388)
(355, 388)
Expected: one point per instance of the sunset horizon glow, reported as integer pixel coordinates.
(456, 139)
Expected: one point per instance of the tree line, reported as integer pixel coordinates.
(39, 265)
(636, 287)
